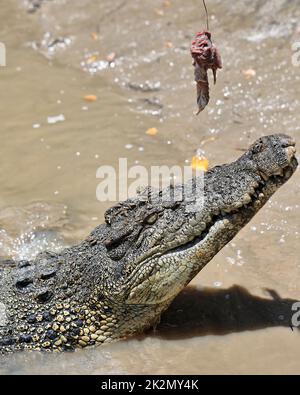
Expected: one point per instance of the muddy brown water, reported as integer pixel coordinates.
(235, 316)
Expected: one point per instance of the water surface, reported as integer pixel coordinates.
(235, 316)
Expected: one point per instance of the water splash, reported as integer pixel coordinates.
(27, 231)
(29, 244)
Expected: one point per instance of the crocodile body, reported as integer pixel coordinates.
(120, 279)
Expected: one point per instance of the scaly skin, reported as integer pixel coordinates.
(120, 279)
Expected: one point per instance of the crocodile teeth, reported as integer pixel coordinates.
(238, 205)
(194, 222)
(264, 176)
(201, 227)
(257, 204)
(279, 173)
(288, 173)
(246, 198)
(216, 211)
(290, 151)
(221, 225)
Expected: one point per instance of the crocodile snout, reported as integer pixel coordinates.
(291, 152)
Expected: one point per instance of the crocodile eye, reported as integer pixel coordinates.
(151, 219)
(258, 147)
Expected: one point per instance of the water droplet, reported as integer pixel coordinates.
(217, 283)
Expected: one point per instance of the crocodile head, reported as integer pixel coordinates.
(118, 281)
(161, 245)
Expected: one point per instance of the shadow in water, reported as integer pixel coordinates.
(210, 311)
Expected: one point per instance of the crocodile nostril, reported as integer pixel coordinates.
(286, 141)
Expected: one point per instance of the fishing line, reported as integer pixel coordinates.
(207, 16)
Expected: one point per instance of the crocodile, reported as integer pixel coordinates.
(124, 275)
